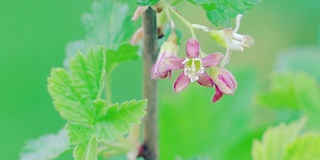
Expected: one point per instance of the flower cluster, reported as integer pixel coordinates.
(196, 66)
(193, 67)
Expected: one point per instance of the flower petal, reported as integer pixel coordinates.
(226, 82)
(192, 48)
(159, 69)
(229, 79)
(181, 83)
(248, 41)
(154, 72)
(218, 95)
(219, 37)
(238, 37)
(238, 20)
(211, 60)
(168, 74)
(235, 45)
(228, 34)
(205, 80)
(174, 63)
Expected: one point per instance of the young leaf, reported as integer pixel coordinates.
(86, 151)
(306, 147)
(147, 2)
(46, 147)
(73, 93)
(274, 141)
(119, 118)
(219, 12)
(109, 25)
(124, 53)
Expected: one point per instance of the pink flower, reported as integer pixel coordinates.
(225, 83)
(168, 49)
(193, 66)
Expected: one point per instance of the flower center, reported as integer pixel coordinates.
(192, 68)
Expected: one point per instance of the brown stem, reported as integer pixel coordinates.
(150, 146)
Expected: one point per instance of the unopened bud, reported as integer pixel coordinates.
(224, 80)
(137, 36)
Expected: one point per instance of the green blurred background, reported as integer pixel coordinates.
(33, 36)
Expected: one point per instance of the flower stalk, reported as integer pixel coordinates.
(183, 20)
(150, 144)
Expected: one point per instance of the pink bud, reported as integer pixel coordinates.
(167, 59)
(137, 36)
(224, 81)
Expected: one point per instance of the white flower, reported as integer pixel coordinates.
(230, 38)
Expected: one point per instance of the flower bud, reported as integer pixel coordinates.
(225, 83)
(168, 49)
(137, 36)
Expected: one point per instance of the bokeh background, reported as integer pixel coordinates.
(33, 37)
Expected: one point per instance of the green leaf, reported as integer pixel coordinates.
(306, 147)
(105, 131)
(109, 25)
(86, 151)
(282, 93)
(147, 2)
(295, 91)
(73, 93)
(84, 140)
(101, 108)
(307, 97)
(88, 72)
(219, 12)
(119, 118)
(124, 53)
(78, 133)
(46, 147)
(275, 139)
